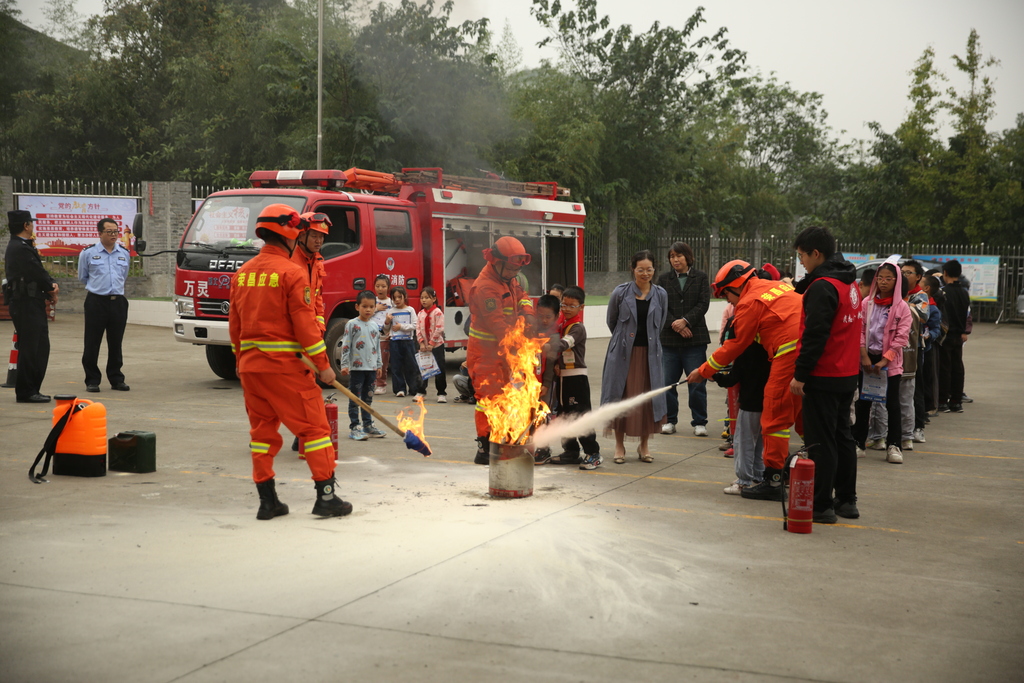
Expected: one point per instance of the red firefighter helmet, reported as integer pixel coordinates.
(318, 222)
(508, 249)
(732, 274)
(281, 219)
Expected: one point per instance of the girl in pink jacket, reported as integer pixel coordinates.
(885, 331)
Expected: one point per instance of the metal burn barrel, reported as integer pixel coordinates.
(511, 471)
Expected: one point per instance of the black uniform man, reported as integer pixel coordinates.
(28, 287)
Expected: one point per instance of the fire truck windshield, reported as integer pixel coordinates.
(229, 222)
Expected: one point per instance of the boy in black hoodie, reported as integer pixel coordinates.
(955, 313)
(827, 370)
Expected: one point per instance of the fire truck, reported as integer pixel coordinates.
(419, 227)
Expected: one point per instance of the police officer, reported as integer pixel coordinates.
(27, 289)
(271, 320)
(102, 268)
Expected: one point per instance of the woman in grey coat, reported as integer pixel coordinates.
(632, 366)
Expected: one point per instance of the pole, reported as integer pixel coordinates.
(320, 85)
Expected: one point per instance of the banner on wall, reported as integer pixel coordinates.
(64, 226)
(981, 271)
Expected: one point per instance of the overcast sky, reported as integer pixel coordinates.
(857, 54)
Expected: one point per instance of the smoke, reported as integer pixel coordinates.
(575, 426)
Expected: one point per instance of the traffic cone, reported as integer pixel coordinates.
(12, 366)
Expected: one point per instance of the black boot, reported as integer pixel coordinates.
(483, 450)
(270, 506)
(327, 504)
(769, 489)
(295, 445)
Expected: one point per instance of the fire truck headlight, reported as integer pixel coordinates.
(184, 306)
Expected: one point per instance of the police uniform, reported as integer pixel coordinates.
(106, 310)
(28, 288)
(271, 319)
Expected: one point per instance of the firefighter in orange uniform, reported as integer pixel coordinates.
(767, 312)
(496, 300)
(271, 320)
(315, 228)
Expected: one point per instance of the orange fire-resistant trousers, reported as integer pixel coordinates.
(782, 409)
(489, 375)
(294, 399)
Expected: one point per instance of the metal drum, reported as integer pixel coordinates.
(511, 471)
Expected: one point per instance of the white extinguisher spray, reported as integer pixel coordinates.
(798, 519)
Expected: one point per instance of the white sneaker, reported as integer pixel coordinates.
(668, 428)
(919, 435)
(876, 445)
(442, 399)
(400, 394)
(908, 445)
(894, 455)
(861, 452)
(380, 390)
(700, 430)
(733, 490)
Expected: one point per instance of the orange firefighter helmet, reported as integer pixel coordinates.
(318, 222)
(508, 249)
(732, 274)
(281, 219)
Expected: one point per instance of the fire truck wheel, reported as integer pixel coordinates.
(221, 360)
(335, 330)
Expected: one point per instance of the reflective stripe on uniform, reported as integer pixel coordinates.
(715, 364)
(786, 348)
(473, 332)
(319, 347)
(320, 319)
(524, 302)
(318, 444)
(273, 346)
(257, 447)
(784, 434)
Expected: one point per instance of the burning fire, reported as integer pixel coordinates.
(415, 425)
(514, 412)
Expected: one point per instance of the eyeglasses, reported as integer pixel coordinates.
(111, 232)
(570, 306)
(886, 279)
(644, 271)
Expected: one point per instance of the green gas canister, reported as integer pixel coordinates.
(133, 451)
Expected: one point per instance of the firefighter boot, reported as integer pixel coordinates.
(483, 450)
(769, 489)
(270, 506)
(327, 504)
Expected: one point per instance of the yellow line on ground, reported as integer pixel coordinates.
(967, 455)
(741, 516)
(975, 438)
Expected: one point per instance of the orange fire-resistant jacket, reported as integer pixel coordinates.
(272, 316)
(314, 266)
(494, 306)
(768, 312)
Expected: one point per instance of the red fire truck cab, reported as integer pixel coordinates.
(418, 227)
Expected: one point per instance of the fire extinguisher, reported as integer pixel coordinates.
(798, 519)
(331, 408)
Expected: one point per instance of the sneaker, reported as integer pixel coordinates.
(964, 398)
(762, 491)
(700, 430)
(668, 428)
(420, 396)
(442, 399)
(825, 517)
(357, 435)
(734, 489)
(726, 435)
(943, 408)
(725, 446)
(730, 452)
(894, 455)
(919, 436)
(956, 408)
(400, 394)
(591, 462)
(566, 458)
(846, 509)
(876, 444)
(374, 432)
(380, 390)
(907, 445)
(861, 452)
(542, 456)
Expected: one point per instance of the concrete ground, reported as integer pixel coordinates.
(641, 572)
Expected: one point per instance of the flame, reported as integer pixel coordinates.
(414, 425)
(518, 408)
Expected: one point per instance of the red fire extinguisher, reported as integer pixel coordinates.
(331, 408)
(798, 519)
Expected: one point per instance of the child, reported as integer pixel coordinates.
(885, 331)
(547, 309)
(573, 385)
(748, 377)
(360, 360)
(430, 335)
(383, 305)
(400, 326)
(932, 336)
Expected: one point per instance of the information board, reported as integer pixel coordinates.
(64, 226)
(981, 271)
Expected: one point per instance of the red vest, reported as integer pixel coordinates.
(841, 357)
